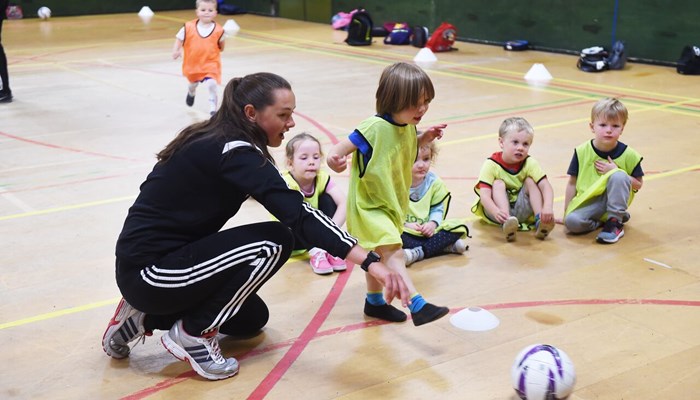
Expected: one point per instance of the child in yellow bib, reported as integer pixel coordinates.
(304, 174)
(384, 148)
(513, 190)
(426, 232)
(604, 174)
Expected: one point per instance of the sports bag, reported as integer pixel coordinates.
(399, 34)
(618, 57)
(593, 59)
(689, 63)
(419, 36)
(443, 38)
(360, 29)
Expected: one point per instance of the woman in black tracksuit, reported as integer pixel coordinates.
(178, 272)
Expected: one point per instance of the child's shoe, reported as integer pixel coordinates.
(543, 229)
(319, 263)
(428, 313)
(413, 255)
(612, 231)
(337, 263)
(189, 100)
(386, 312)
(510, 227)
(458, 247)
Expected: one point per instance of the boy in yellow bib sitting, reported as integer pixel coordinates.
(604, 174)
(513, 190)
(426, 232)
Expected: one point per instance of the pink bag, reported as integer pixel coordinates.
(342, 19)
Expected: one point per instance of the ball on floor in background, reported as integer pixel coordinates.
(543, 372)
(44, 12)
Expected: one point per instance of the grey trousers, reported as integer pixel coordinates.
(613, 201)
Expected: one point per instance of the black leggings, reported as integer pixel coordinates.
(327, 206)
(210, 283)
(3, 62)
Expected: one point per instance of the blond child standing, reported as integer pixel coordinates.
(604, 174)
(384, 148)
(513, 190)
(426, 232)
(200, 42)
(304, 173)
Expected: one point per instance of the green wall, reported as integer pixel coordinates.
(653, 30)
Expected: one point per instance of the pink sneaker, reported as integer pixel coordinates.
(319, 263)
(337, 263)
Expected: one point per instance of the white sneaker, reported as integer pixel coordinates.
(125, 326)
(459, 247)
(202, 352)
(510, 227)
(413, 255)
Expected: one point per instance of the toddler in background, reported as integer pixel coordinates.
(304, 173)
(513, 190)
(426, 232)
(201, 40)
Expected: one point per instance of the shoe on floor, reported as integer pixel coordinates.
(510, 227)
(125, 326)
(5, 97)
(202, 352)
(337, 263)
(542, 229)
(413, 255)
(386, 312)
(612, 231)
(459, 247)
(189, 100)
(319, 263)
(428, 313)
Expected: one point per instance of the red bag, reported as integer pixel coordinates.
(443, 38)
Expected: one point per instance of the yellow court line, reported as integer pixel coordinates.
(59, 313)
(67, 208)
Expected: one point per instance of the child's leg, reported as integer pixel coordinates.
(213, 99)
(534, 195)
(375, 304)
(500, 198)
(586, 218)
(618, 194)
(440, 243)
(191, 90)
(422, 312)
(327, 205)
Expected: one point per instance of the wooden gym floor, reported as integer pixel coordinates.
(97, 96)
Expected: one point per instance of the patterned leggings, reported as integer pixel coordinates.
(432, 246)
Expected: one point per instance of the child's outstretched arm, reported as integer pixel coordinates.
(177, 49)
(337, 158)
(432, 133)
(547, 213)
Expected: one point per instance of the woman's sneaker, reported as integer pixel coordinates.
(337, 263)
(125, 326)
(202, 352)
(319, 263)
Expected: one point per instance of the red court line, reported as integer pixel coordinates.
(311, 333)
(55, 146)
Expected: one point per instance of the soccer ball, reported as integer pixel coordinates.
(44, 12)
(542, 372)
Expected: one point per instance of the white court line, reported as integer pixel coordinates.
(16, 201)
(657, 263)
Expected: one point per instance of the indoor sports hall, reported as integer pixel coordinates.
(97, 96)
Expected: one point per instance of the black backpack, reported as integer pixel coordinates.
(420, 36)
(360, 29)
(689, 63)
(618, 57)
